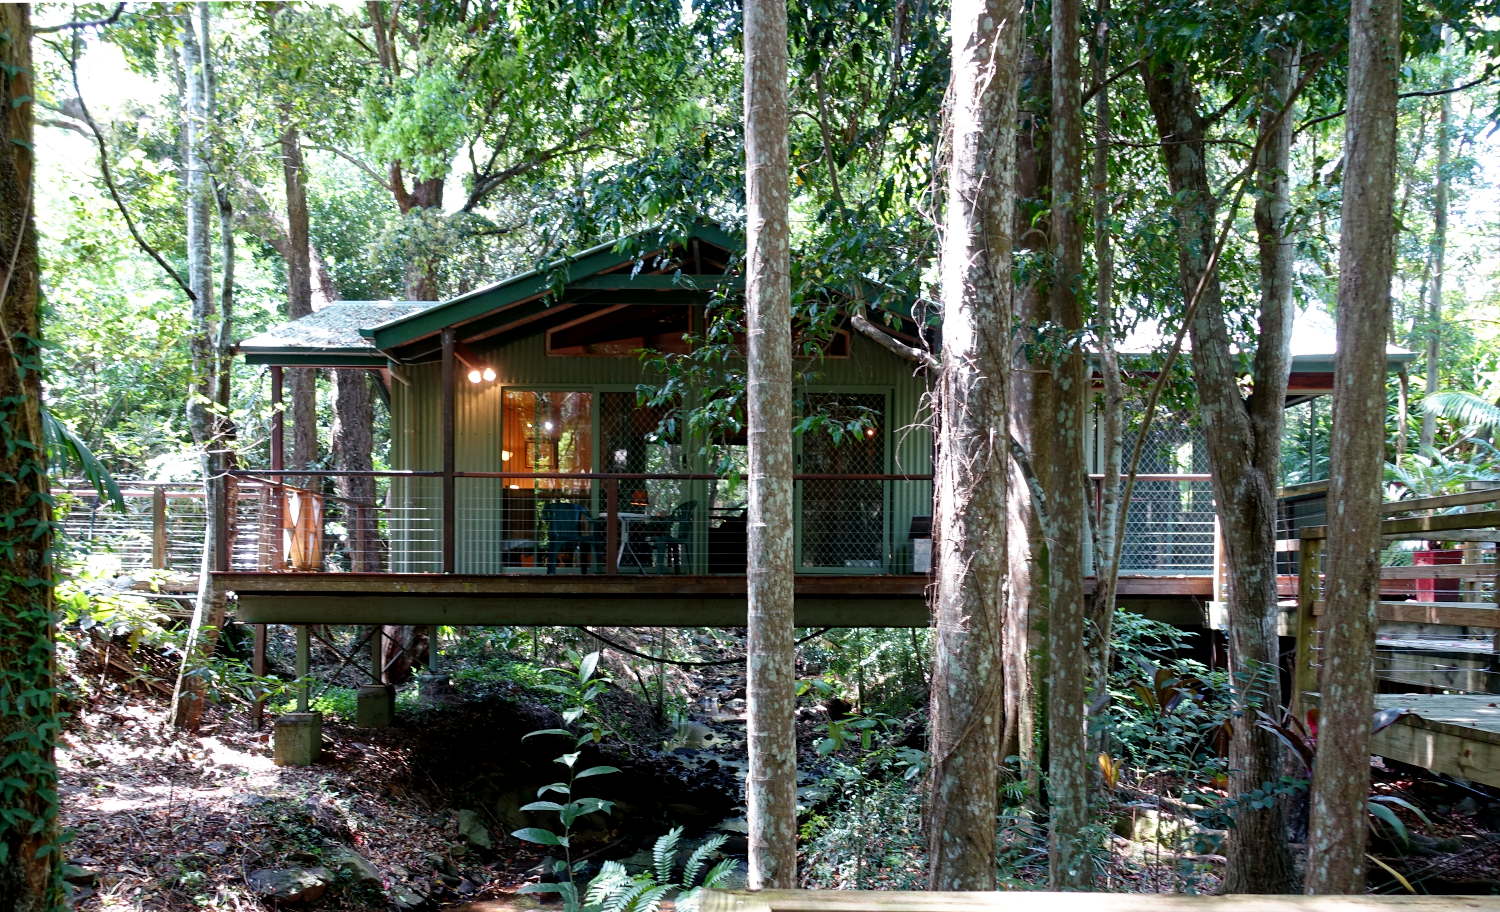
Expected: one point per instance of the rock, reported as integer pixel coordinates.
(471, 828)
(79, 876)
(405, 898)
(290, 885)
(353, 867)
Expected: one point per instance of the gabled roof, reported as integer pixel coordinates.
(329, 337)
(1313, 343)
(536, 286)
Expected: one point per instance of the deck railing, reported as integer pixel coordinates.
(580, 523)
(680, 523)
(1438, 624)
(161, 526)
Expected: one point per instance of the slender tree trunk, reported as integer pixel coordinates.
(1436, 256)
(771, 788)
(29, 879)
(1030, 404)
(1245, 457)
(1341, 773)
(353, 425)
(207, 428)
(302, 383)
(972, 450)
(1111, 404)
(1067, 763)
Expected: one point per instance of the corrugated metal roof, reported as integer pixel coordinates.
(335, 328)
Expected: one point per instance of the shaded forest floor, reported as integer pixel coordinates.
(416, 816)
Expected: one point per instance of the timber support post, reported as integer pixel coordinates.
(160, 545)
(299, 735)
(1309, 587)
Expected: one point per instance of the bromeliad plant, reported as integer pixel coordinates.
(580, 689)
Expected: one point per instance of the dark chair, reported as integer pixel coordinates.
(669, 547)
(568, 533)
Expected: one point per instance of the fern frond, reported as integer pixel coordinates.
(689, 900)
(611, 877)
(720, 873)
(700, 857)
(664, 854)
(1464, 407)
(649, 900)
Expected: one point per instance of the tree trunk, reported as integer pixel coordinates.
(1341, 773)
(205, 345)
(1436, 255)
(1030, 405)
(302, 382)
(29, 879)
(1069, 866)
(1109, 530)
(353, 424)
(771, 788)
(970, 476)
(1244, 455)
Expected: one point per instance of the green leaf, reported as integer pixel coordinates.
(547, 731)
(542, 806)
(595, 770)
(587, 666)
(539, 836)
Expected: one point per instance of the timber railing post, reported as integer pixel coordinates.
(612, 525)
(1309, 588)
(450, 339)
(160, 550)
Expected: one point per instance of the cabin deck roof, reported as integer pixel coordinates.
(331, 333)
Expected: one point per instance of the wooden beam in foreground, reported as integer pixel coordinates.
(1028, 901)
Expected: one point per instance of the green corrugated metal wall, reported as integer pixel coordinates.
(416, 440)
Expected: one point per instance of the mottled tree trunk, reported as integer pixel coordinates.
(771, 787)
(205, 344)
(1243, 438)
(1437, 251)
(28, 716)
(1341, 774)
(1067, 763)
(970, 476)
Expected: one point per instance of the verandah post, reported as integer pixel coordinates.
(450, 338)
(612, 525)
(160, 549)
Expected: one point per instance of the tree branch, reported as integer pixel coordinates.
(109, 180)
(111, 19)
(1482, 79)
(910, 352)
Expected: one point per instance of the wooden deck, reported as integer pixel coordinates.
(1457, 734)
(638, 600)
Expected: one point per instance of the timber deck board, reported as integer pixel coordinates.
(631, 600)
(1457, 734)
(1038, 901)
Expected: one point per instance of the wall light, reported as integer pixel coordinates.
(489, 375)
(474, 376)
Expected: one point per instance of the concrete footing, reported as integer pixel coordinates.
(375, 706)
(297, 738)
(435, 689)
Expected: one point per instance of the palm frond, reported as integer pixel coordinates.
(1464, 407)
(65, 447)
(720, 873)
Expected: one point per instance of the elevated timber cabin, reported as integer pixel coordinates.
(529, 485)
